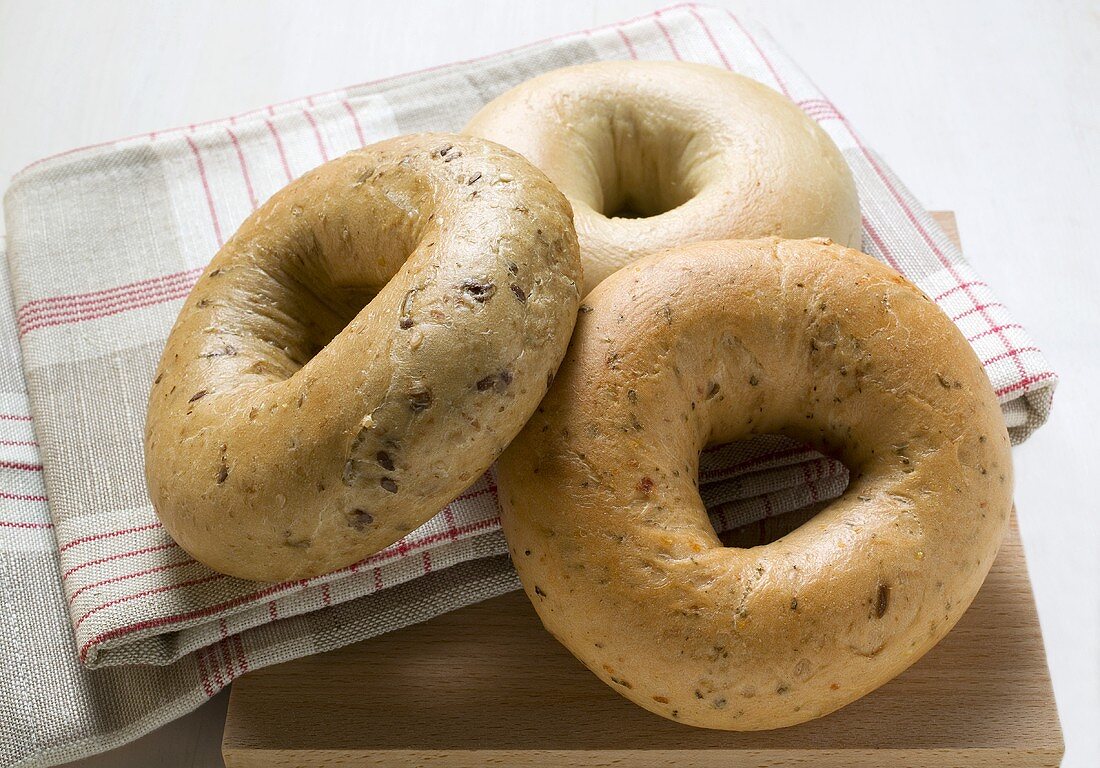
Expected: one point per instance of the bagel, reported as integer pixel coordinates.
(358, 353)
(713, 343)
(658, 154)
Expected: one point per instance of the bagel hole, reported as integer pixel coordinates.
(758, 490)
(621, 203)
(324, 312)
(293, 344)
(628, 211)
(648, 168)
(629, 207)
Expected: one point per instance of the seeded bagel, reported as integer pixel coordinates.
(717, 342)
(657, 154)
(358, 353)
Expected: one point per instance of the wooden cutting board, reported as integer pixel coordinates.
(487, 685)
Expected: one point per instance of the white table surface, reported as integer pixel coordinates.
(989, 108)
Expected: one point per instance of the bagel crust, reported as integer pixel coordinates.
(716, 342)
(658, 154)
(358, 354)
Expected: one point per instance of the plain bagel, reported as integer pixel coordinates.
(655, 155)
(713, 343)
(358, 353)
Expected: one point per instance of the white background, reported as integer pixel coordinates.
(990, 108)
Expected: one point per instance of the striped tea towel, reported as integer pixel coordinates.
(99, 609)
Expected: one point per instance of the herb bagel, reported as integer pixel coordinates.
(717, 342)
(358, 353)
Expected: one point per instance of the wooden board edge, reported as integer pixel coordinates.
(996, 757)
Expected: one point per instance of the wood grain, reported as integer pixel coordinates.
(486, 685)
